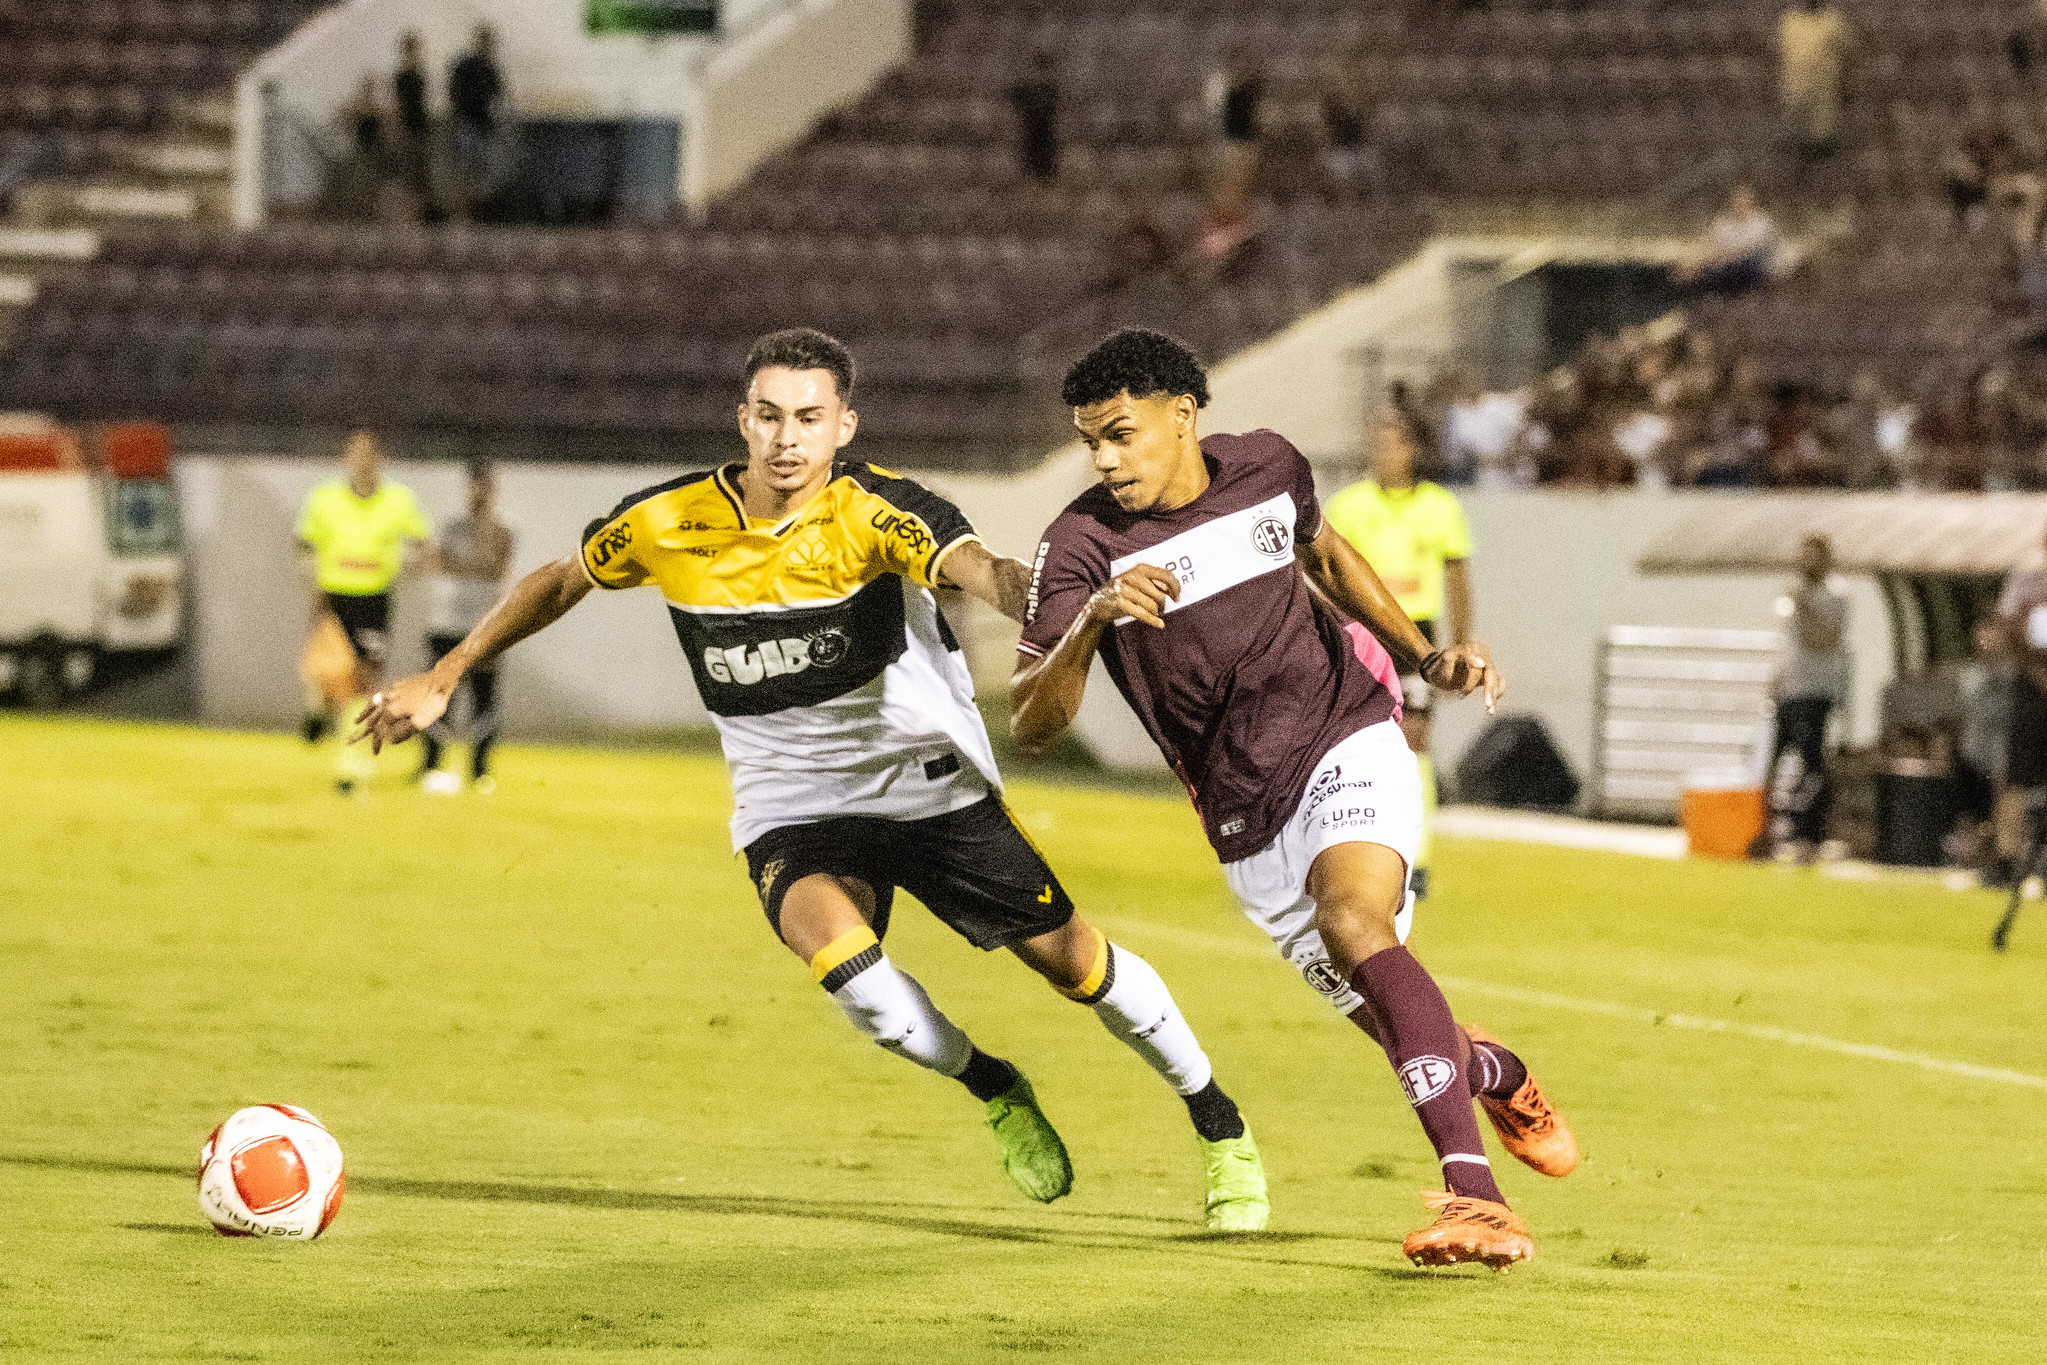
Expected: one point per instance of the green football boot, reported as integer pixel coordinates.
(1236, 1185)
(1032, 1153)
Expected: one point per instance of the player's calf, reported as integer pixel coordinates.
(1133, 1003)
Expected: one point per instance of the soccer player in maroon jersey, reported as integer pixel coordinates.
(1203, 574)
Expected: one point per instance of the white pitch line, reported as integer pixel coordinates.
(1636, 1014)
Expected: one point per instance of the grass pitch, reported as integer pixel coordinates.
(591, 1107)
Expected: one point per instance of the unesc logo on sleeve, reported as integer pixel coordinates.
(611, 544)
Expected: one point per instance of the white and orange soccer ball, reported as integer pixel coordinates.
(272, 1170)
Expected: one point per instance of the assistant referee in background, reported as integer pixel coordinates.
(1414, 534)
(352, 535)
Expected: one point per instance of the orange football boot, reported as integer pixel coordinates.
(1468, 1230)
(1529, 1129)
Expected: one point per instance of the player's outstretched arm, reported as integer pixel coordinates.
(1045, 693)
(1334, 565)
(410, 705)
(1004, 584)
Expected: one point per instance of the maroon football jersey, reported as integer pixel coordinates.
(1253, 678)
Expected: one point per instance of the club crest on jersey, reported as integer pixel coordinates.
(1425, 1077)
(1269, 537)
(810, 552)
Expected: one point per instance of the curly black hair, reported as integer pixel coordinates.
(1141, 361)
(803, 348)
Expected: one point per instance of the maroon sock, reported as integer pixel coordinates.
(1495, 1071)
(1425, 1044)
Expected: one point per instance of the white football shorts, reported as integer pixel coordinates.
(1366, 790)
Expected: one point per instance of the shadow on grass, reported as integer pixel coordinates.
(180, 1229)
(935, 1219)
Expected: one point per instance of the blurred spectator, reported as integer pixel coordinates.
(2028, 41)
(1973, 164)
(1812, 678)
(1236, 95)
(1984, 686)
(1036, 101)
(2022, 622)
(1228, 229)
(475, 90)
(1796, 457)
(1856, 430)
(471, 559)
(1812, 47)
(356, 181)
(415, 129)
(1738, 251)
(1948, 438)
(1140, 243)
(1482, 436)
(1349, 115)
(2023, 197)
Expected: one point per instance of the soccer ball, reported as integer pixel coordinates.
(272, 1170)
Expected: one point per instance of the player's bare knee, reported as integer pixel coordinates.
(1359, 891)
(1065, 956)
(820, 908)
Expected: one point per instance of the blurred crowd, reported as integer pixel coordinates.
(401, 162)
(1663, 406)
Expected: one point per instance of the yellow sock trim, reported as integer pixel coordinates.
(1093, 981)
(847, 945)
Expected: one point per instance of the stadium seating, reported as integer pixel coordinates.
(903, 222)
(80, 82)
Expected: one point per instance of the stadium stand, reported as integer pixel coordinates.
(905, 224)
(83, 86)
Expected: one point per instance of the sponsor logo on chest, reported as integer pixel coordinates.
(745, 665)
(1223, 553)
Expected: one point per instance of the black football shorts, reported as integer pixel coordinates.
(973, 868)
(367, 620)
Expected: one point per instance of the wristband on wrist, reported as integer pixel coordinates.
(1430, 660)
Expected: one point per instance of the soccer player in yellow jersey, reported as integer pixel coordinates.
(1413, 533)
(352, 536)
(799, 584)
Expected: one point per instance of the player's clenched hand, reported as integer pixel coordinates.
(1142, 592)
(402, 710)
(1462, 669)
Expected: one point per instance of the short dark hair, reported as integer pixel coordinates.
(803, 348)
(1144, 362)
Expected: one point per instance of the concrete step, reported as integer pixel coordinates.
(186, 157)
(76, 203)
(25, 245)
(210, 114)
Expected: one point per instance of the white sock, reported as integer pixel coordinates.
(888, 1005)
(1133, 1003)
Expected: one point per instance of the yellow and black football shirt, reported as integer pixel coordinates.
(815, 642)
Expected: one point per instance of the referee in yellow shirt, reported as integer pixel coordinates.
(1414, 534)
(352, 535)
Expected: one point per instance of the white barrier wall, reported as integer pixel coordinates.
(611, 664)
(739, 96)
(1552, 572)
